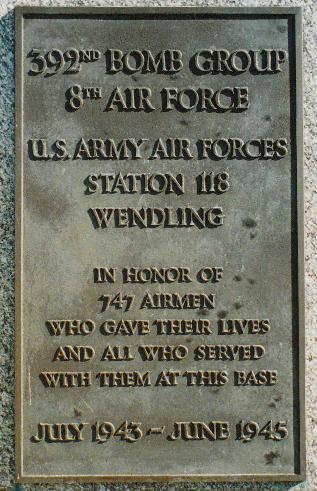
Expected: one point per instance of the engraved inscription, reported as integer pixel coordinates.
(158, 168)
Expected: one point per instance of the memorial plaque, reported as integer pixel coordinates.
(159, 244)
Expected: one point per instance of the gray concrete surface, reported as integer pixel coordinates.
(7, 173)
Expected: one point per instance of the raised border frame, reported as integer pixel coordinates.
(294, 14)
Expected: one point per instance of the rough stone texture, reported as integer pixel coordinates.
(7, 173)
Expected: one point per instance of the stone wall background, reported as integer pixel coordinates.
(7, 220)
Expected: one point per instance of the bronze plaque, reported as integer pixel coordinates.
(159, 244)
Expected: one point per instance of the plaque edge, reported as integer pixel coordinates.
(298, 19)
(177, 478)
(18, 240)
(22, 10)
